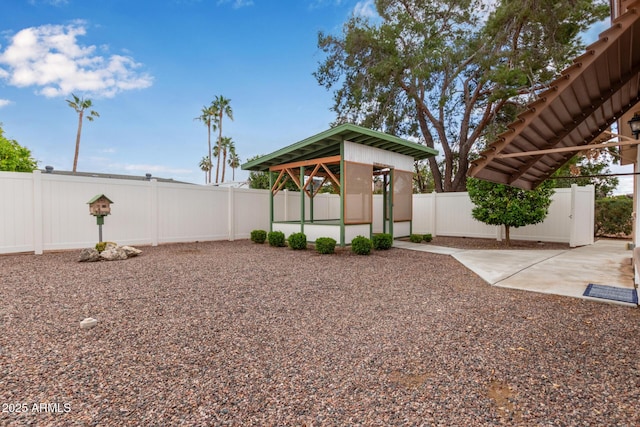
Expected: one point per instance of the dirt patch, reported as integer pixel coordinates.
(476, 243)
(503, 397)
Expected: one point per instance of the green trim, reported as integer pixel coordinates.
(391, 189)
(302, 193)
(342, 233)
(270, 201)
(330, 143)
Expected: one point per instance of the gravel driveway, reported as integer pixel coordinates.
(234, 333)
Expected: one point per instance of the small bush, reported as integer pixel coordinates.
(427, 238)
(298, 241)
(382, 241)
(101, 246)
(416, 238)
(614, 216)
(361, 245)
(276, 238)
(258, 236)
(325, 245)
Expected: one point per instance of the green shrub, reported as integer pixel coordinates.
(101, 246)
(415, 238)
(298, 241)
(276, 238)
(382, 241)
(427, 237)
(614, 216)
(325, 245)
(258, 236)
(361, 245)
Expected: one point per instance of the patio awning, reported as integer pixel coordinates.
(327, 144)
(576, 110)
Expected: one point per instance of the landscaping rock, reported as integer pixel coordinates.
(113, 254)
(88, 323)
(131, 251)
(89, 255)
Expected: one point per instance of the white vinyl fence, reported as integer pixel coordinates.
(42, 211)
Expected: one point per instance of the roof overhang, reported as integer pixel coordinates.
(327, 144)
(577, 110)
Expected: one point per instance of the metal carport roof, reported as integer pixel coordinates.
(593, 93)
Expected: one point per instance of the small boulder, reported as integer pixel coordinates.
(89, 255)
(131, 251)
(113, 254)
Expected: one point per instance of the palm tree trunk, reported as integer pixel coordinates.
(224, 162)
(75, 157)
(208, 174)
(219, 147)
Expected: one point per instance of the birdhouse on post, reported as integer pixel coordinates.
(100, 206)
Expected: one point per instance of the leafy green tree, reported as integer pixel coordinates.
(80, 105)
(443, 72)
(498, 204)
(208, 117)
(588, 170)
(222, 107)
(14, 157)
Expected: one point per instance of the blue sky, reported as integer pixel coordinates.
(149, 67)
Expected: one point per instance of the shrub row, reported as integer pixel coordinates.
(417, 238)
(324, 245)
(614, 216)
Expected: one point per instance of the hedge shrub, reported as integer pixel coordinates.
(427, 238)
(258, 236)
(298, 241)
(276, 238)
(382, 241)
(614, 216)
(361, 245)
(325, 245)
(416, 238)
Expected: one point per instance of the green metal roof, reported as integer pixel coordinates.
(327, 143)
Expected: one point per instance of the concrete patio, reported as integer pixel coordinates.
(558, 272)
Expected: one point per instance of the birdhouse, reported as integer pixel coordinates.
(99, 205)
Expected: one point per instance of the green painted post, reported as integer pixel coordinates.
(342, 243)
(391, 204)
(385, 200)
(302, 213)
(270, 201)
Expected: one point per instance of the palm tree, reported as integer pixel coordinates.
(205, 165)
(80, 105)
(208, 117)
(227, 146)
(222, 107)
(234, 162)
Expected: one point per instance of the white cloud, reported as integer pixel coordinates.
(50, 58)
(237, 4)
(4, 102)
(366, 9)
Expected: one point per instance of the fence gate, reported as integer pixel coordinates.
(582, 215)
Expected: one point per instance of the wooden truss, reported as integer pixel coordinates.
(293, 171)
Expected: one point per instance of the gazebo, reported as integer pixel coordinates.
(351, 159)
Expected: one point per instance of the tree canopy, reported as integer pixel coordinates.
(14, 157)
(453, 73)
(499, 204)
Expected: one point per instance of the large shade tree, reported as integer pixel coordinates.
(80, 105)
(450, 73)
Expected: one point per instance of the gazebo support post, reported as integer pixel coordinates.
(342, 237)
(302, 213)
(270, 200)
(391, 189)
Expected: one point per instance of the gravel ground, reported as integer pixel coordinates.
(235, 333)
